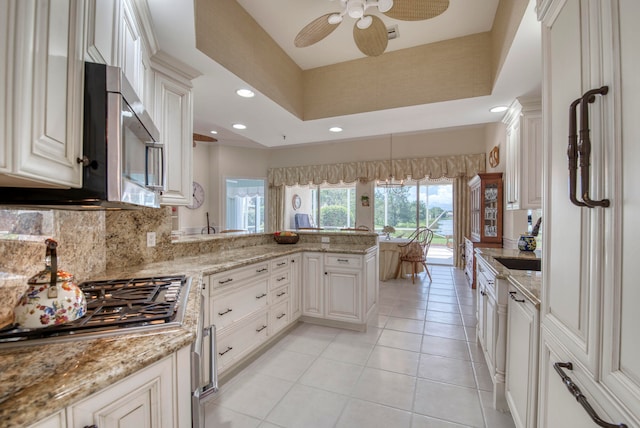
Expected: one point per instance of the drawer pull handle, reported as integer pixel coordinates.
(282, 278)
(225, 312)
(281, 264)
(280, 294)
(229, 348)
(280, 316)
(575, 391)
(483, 292)
(224, 281)
(512, 294)
(261, 296)
(261, 328)
(343, 260)
(262, 270)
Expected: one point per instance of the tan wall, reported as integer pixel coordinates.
(449, 70)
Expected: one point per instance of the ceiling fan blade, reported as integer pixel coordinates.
(416, 10)
(371, 41)
(315, 31)
(206, 138)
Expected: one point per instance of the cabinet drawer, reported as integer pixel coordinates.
(230, 307)
(343, 260)
(279, 263)
(279, 316)
(241, 340)
(279, 279)
(234, 276)
(278, 295)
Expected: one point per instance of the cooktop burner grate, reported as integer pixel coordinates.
(116, 305)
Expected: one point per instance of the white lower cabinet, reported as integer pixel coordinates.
(154, 397)
(492, 326)
(521, 390)
(340, 287)
(234, 344)
(250, 305)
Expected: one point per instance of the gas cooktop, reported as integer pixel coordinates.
(114, 307)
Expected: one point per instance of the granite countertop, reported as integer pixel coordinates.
(526, 281)
(39, 380)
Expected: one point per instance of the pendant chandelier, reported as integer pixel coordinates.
(391, 182)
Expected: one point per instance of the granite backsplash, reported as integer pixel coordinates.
(89, 242)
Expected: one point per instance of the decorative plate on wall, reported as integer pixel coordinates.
(296, 202)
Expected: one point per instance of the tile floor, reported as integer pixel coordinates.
(418, 365)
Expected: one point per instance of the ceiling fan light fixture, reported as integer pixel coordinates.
(385, 5)
(364, 22)
(355, 8)
(335, 19)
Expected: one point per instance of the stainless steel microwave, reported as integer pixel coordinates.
(123, 159)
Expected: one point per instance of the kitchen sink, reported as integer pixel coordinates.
(520, 264)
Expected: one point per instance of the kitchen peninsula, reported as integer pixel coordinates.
(37, 382)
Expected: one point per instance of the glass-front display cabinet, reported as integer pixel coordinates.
(485, 200)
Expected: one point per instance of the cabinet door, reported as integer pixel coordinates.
(573, 235)
(482, 314)
(54, 421)
(522, 360)
(343, 293)
(103, 31)
(621, 318)
(174, 118)
(295, 286)
(312, 287)
(491, 333)
(45, 118)
(132, 49)
(512, 167)
(371, 272)
(143, 400)
(531, 160)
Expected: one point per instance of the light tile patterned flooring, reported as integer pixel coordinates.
(418, 365)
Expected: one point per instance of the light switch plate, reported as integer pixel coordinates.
(325, 239)
(151, 239)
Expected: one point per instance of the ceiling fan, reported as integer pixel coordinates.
(369, 32)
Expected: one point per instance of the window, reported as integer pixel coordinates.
(245, 208)
(334, 206)
(423, 203)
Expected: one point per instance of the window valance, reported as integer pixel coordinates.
(349, 172)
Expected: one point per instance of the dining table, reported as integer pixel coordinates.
(389, 257)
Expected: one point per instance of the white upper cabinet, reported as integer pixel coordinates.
(173, 115)
(589, 310)
(523, 170)
(41, 44)
(103, 31)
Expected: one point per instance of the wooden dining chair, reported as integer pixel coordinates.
(415, 251)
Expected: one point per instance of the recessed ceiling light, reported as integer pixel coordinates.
(498, 109)
(335, 129)
(214, 131)
(239, 126)
(245, 93)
